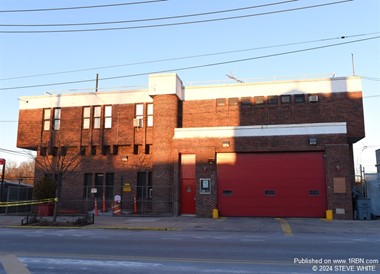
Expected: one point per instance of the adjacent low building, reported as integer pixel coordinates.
(274, 149)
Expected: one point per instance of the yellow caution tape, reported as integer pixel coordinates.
(29, 202)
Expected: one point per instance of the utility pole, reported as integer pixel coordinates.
(353, 64)
(2, 162)
(97, 82)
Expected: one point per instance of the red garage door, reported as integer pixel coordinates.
(271, 184)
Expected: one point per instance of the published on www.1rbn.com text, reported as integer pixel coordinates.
(339, 265)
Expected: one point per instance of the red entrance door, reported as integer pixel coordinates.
(188, 184)
(188, 196)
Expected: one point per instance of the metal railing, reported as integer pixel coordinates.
(139, 201)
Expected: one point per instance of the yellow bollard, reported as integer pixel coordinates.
(329, 215)
(215, 213)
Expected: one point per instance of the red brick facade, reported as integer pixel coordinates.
(148, 156)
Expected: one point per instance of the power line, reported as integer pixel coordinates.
(147, 19)
(83, 7)
(190, 56)
(174, 24)
(370, 78)
(14, 152)
(198, 66)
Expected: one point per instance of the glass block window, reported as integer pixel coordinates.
(259, 100)
(272, 100)
(299, 98)
(286, 99)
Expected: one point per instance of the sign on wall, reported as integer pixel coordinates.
(205, 185)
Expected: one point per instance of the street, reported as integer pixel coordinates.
(26, 251)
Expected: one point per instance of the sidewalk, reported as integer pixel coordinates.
(232, 224)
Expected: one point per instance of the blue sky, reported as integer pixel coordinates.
(129, 51)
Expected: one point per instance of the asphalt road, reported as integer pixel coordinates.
(24, 251)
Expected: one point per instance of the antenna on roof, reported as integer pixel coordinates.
(353, 64)
(231, 76)
(97, 82)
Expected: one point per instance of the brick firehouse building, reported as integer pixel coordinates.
(275, 149)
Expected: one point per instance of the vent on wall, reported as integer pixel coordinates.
(313, 98)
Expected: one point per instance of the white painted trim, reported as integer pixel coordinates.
(171, 84)
(263, 130)
(85, 99)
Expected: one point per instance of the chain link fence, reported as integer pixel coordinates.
(14, 194)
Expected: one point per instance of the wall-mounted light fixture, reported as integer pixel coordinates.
(211, 161)
(124, 158)
(226, 144)
(313, 141)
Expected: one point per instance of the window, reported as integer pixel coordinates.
(270, 192)
(314, 192)
(97, 116)
(144, 185)
(259, 100)
(147, 149)
(47, 113)
(135, 149)
(115, 149)
(220, 102)
(108, 117)
(87, 185)
(63, 151)
(57, 119)
(233, 101)
(299, 98)
(139, 113)
(52, 150)
(246, 101)
(286, 99)
(272, 100)
(86, 117)
(99, 179)
(106, 150)
(43, 151)
(109, 185)
(150, 115)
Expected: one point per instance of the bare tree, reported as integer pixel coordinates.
(23, 171)
(59, 163)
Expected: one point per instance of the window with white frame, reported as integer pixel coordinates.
(139, 112)
(97, 116)
(86, 117)
(57, 119)
(149, 115)
(47, 114)
(107, 116)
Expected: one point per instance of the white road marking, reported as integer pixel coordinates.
(12, 265)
